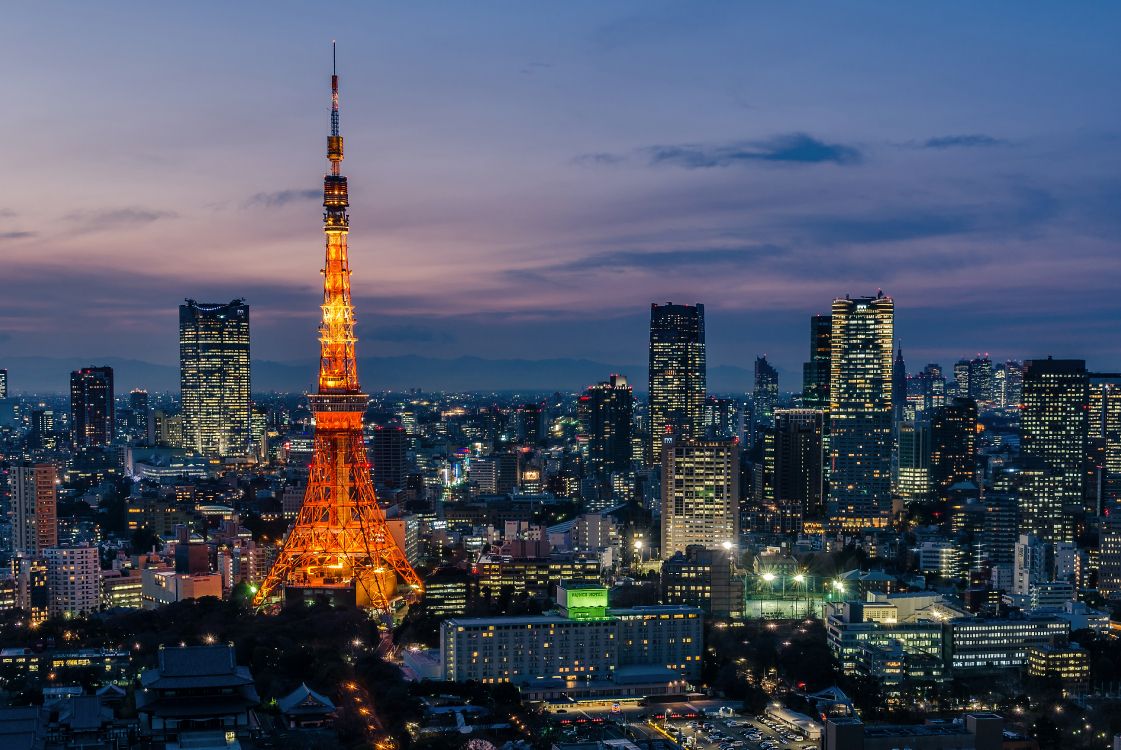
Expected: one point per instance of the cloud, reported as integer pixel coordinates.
(678, 259)
(791, 148)
(281, 198)
(6, 213)
(114, 218)
(971, 140)
(16, 235)
(599, 158)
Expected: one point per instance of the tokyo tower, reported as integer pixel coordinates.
(340, 544)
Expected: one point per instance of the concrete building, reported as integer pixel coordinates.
(160, 586)
(34, 509)
(74, 580)
(582, 649)
(700, 494)
(977, 731)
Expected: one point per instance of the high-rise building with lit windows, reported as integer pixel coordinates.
(606, 413)
(1053, 439)
(3, 383)
(860, 396)
(700, 494)
(214, 377)
(678, 375)
(34, 509)
(1104, 442)
(91, 407)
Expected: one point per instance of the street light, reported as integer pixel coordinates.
(799, 578)
(769, 577)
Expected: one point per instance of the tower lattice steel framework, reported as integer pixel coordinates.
(340, 538)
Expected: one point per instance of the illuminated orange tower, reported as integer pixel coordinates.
(340, 541)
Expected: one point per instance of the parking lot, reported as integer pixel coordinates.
(735, 733)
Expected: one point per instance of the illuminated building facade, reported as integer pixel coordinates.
(913, 482)
(3, 383)
(703, 578)
(214, 377)
(860, 429)
(74, 580)
(1070, 664)
(34, 509)
(678, 373)
(1104, 443)
(581, 644)
(339, 544)
(700, 494)
(606, 412)
(999, 643)
(91, 407)
(1053, 439)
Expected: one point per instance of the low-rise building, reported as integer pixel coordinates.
(160, 586)
(583, 648)
(1070, 664)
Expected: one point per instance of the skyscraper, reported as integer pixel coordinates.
(606, 412)
(765, 395)
(1053, 435)
(3, 383)
(860, 395)
(389, 449)
(798, 470)
(91, 407)
(914, 461)
(214, 377)
(34, 509)
(1104, 443)
(1008, 385)
(953, 449)
(140, 415)
(678, 378)
(815, 373)
(933, 384)
(700, 494)
(898, 386)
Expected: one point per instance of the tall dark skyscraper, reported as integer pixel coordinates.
(3, 383)
(765, 394)
(214, 377)
(860, 395)
(1053, 442)
(140, 416)
(606, 412)
(678, 374)
(91, 407)
(815, 373)
(798, 469)
(898, 386)
(389, 449)
(953, 444)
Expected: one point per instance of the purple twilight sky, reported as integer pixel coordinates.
(526, 179)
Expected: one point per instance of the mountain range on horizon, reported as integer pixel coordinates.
(51, 374)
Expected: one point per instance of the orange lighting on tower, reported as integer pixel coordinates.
(340, 539)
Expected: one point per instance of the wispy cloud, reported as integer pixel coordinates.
(281, 198)
(599, 158)
(115, 218)
(786, 148)
(793, 148)
(16, 235)
(970, 140)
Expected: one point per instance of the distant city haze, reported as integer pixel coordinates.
(525, 183)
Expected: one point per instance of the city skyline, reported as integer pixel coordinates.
(575, 168)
